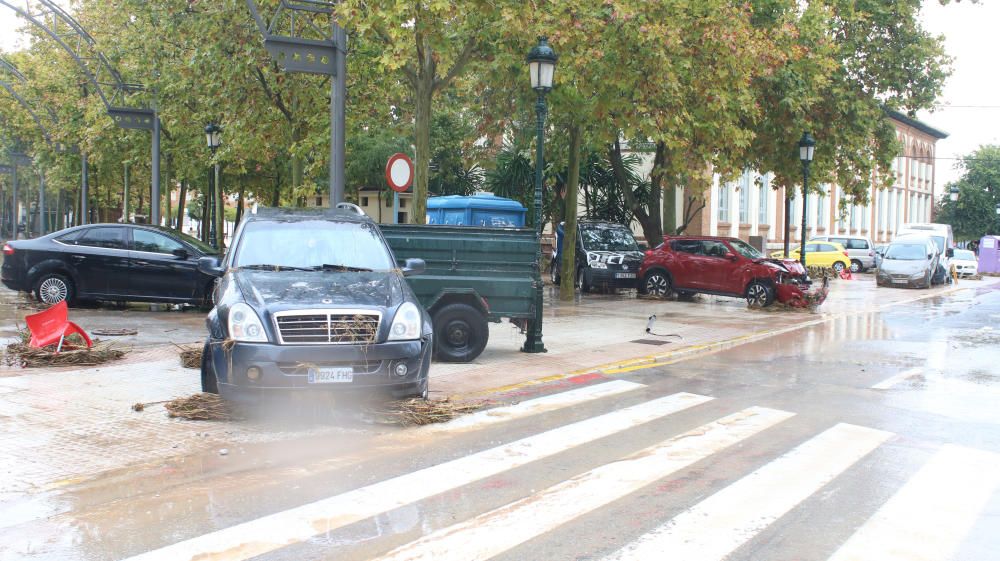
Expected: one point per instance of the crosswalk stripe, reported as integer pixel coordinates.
(929, 516)
(504, 528)
(893, 380)
(295, 525)
(530, 407)
(721, 523)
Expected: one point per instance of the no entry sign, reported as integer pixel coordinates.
(399, 172)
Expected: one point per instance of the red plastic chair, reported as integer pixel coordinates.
(53, 325)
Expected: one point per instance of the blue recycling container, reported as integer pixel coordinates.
(484, 210)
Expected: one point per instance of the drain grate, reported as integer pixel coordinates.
(650, 342)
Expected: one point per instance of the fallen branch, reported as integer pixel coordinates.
(190, 356)
(202, 407)
(416, 411)
(26, 356)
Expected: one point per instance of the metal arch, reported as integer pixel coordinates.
(29, 109)
(294, 40)
(68, 33)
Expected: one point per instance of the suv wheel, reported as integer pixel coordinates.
(209, 382)
(657, 284)
(856, 266)
(581, 280)
(759, 295)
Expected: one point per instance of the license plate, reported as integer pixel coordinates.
(900, 281)
(625, 275)
(330, 375)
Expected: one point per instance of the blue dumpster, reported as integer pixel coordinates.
(484, 210)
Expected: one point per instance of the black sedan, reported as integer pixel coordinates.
(117, 262)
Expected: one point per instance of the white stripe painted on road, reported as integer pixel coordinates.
(530, 407)
(502, 529)
(295, 525)
(713, 528)
(893, 380)
(929, 516)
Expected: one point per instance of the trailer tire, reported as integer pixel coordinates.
(460, 333)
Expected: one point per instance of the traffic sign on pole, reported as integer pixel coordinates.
(399, 172)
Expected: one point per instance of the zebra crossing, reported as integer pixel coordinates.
(926, 519)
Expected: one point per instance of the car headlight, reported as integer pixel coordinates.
(244, 325)
(598, 265)
(406, 324)
(917, 275)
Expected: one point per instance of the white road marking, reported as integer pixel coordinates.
(929, 516)
(893, 380)
(502, 529)
(298, 524)
(533, 406)
(715, 527)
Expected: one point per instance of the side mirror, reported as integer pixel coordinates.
(930, 256)
(211, 266)
(180, 253)
(731, 256)
(414, 267)
(950, 252)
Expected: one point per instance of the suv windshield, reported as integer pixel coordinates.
(906, 252)
(607, 238)
(313, 244)
(746, 250)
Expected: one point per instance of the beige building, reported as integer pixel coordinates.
(749, 206)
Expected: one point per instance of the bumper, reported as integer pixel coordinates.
(908, 283)
(285, 368)
(966, 270)
(609, 278)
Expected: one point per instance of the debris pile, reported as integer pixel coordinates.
(109, 332)
(190, 356)
(74, 353)
(202, 407)
(417, 411)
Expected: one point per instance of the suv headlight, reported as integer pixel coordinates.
(406, 324)
(244, 325)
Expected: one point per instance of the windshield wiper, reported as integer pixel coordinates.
(343, 268)
(266, 267)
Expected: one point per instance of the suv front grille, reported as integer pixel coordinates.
(318, 327)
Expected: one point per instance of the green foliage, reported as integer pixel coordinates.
(973, 215)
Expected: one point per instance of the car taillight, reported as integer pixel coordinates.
(7, 249)
(846, 255)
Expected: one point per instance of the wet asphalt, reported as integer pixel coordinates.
(844, 371)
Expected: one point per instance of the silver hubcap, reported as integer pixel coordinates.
(757, 295)
(53, 291)
(656, 285)
(838, 266)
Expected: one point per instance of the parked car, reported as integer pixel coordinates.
(115, 262)
(716, 265)
(831, 255)
(944, 241)
(879, 252)
(313, 300)
(607, 257)
(860, 250)
(909, 262)
(965, 262)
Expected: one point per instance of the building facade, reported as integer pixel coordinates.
(749, 206)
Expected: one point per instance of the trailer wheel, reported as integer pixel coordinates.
(460, 333)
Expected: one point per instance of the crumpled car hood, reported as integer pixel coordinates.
(791, 266)
(329, 289)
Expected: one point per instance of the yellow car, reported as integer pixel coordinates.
(821, 254)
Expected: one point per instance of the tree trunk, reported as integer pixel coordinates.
(670, 209)
(239, 206)
(167, 181)
(206, 200)
(276, 193)
(422, 136)
(648, 219)
(220, 211)
(567, 273)
(181, 200)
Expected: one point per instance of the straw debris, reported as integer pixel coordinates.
(23, 355)
(190, 356)
(416, 411)
(202, 407)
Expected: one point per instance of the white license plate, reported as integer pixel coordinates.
(625, 275)
(330, 375)
(900, 281)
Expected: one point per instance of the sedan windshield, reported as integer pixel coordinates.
(319, 245)
(605, 238)
(964, 255)
(907, 252)
(746, 250)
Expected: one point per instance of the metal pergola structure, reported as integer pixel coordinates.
(298, 43)
(127, 103)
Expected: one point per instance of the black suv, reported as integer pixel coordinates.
(312, 300)
(607, 257)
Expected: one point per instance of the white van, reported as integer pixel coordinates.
(942, 237)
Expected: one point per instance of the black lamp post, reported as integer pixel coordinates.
(541, 67)
(807, 144)
(213, 137)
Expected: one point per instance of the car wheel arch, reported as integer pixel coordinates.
(51, 266)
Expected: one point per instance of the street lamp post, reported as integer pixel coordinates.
(213, 137)
(807, 144)
(541, 67)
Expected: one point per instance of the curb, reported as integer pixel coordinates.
(687, 353)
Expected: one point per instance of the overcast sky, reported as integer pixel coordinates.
(969, 109)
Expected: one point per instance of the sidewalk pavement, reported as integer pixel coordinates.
(63, 426)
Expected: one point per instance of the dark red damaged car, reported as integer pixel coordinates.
(726, 267)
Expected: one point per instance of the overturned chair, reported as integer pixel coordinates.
(53, 325)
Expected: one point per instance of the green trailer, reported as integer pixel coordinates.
(473, 276)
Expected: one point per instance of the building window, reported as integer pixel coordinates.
(745, 198)
(402, 202)
(319, 200)
(763, 191)
(724, 203)
(820, 215)
(401, 218)
(854, 217)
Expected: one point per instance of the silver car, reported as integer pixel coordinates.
(908, 262)
(860, 250)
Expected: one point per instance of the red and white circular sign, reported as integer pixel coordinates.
(399, 172)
